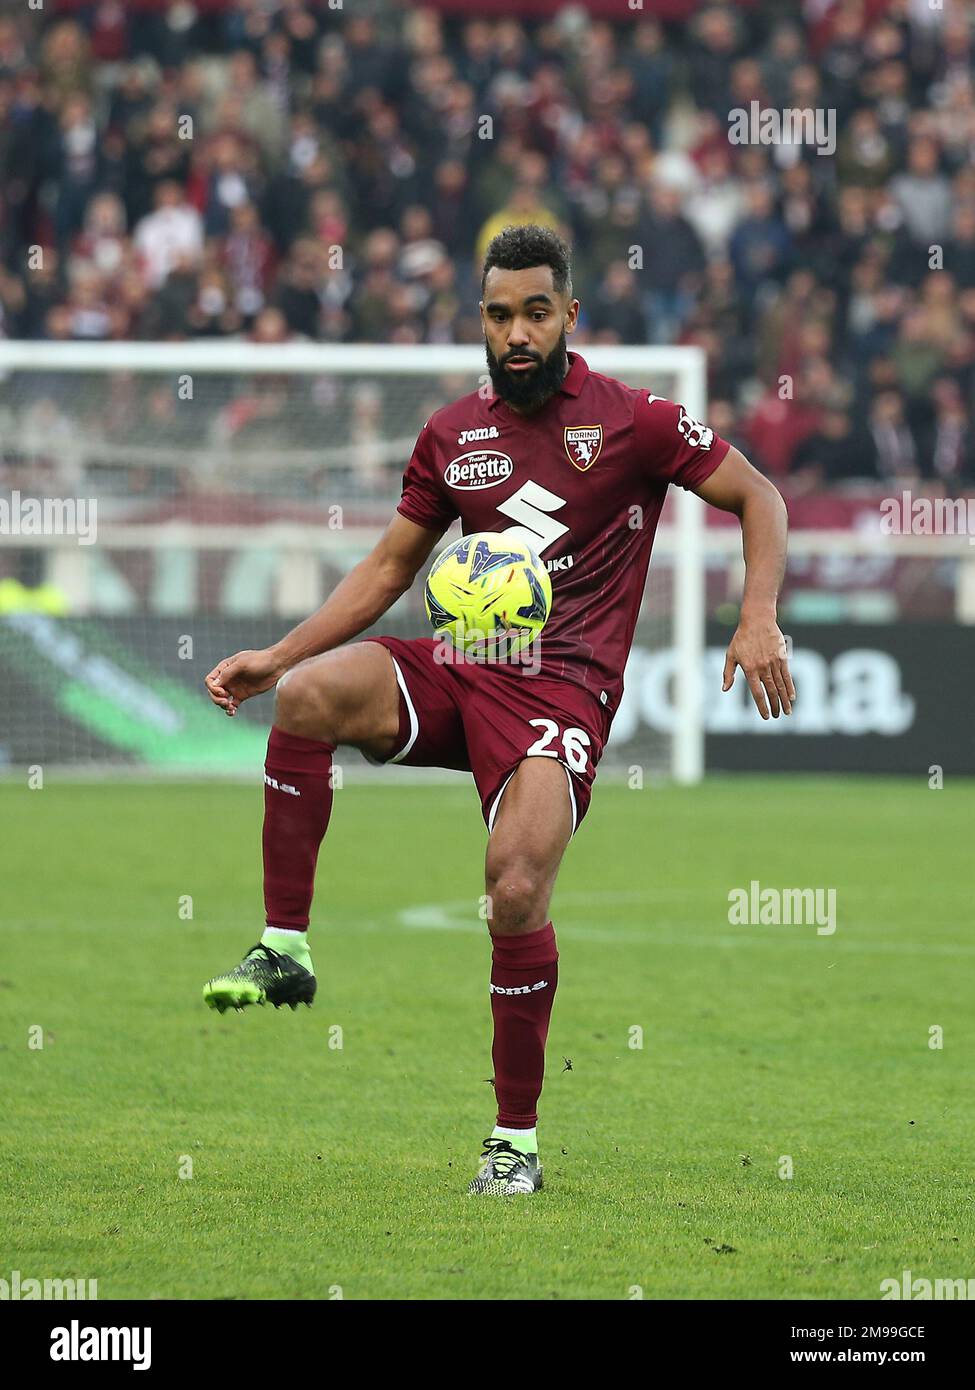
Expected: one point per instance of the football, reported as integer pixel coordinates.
(490, 594)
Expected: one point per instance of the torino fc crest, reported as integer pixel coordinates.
(583, 444)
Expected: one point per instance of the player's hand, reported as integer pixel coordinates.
(759, 648)
(237, 678)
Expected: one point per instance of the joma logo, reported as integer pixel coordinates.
(519, 989)
(482, 432)
(280, 786)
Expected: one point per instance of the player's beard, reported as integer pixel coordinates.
(529, 390)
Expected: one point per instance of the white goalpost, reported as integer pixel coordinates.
(234, 483)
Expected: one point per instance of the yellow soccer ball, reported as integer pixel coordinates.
(489, 593)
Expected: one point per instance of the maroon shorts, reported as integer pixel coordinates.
(484, 719)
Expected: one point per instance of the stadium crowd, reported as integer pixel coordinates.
(279, 169)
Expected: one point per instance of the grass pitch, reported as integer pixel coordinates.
(329, 1149)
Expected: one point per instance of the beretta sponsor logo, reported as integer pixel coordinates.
(480, 468)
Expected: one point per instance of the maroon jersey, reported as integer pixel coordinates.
(583, 482)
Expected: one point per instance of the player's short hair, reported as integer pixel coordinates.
(525, 246)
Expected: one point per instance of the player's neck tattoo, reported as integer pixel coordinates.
(527, 392)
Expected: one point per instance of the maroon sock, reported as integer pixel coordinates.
(297, 805)
(524, 977)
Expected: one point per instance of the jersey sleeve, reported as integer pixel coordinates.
(424, 498)
(673, 447)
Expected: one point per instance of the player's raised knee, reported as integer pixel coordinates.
(301, 704)
(516, 900)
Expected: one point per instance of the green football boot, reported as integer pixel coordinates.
(506, 1171)
(264, 976)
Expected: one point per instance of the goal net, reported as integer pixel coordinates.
(163, 505)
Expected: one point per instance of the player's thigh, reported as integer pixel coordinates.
(349, 695)
(531, 830)
(431, 731)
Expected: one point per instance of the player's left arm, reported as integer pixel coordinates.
(758, 646)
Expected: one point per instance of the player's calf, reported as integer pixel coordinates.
(347, 696)
(529, 837)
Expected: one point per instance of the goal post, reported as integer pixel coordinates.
(234, 483)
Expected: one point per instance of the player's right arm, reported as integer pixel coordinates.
(357, 601)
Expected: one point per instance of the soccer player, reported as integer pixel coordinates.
(565, 459)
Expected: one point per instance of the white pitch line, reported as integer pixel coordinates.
(443, 917)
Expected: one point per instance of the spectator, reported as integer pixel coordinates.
(171, 235)
(673, 262)
(949, 442)
(155, 155)
(298, 294)
(524, 205)
(231, 183)
(717, 204)
(213, 313)
(716, 42)
(65, 61)
(615, 315)
(450, 207)
(247, 256)
(865, 156)
(760, 244)
(652, 69)
(239, 98)
(13, 300)
(90, 316)
(76, 164)
(46, 289)
(960, 250)
(840, 451)
(923, 194)
(103, 241)
(893, 439)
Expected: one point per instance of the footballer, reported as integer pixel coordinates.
(562, 459)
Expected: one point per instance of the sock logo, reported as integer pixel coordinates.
(280, 786)
(519, 989)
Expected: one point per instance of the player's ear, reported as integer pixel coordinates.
(572, 316)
